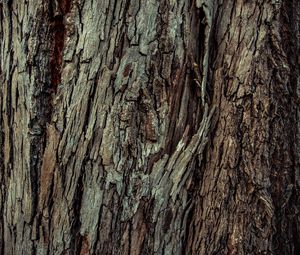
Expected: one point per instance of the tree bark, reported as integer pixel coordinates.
(149, 127)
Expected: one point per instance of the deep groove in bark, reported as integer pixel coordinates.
(57, 31)
(78, 241)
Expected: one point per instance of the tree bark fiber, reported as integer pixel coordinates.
(149, 127)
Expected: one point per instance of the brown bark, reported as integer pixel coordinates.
(149, 127)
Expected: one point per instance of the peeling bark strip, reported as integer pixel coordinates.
(149, 127)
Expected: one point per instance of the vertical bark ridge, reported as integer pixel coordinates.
(286, 177)
(2, 142)
(248, 172)
(25, 52)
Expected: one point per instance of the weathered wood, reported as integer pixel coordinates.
(109, 146)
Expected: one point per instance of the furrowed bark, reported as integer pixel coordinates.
(149, 127)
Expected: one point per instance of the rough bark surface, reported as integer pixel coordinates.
(149, 127)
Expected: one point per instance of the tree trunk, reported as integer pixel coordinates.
(149, 127)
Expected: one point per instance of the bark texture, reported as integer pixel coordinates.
(149, 127)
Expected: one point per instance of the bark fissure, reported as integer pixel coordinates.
(58, 12)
